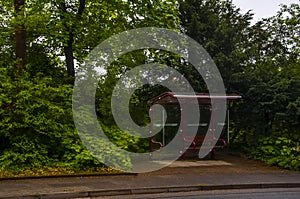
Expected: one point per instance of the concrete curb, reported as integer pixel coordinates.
(153, 190)
(66, 176)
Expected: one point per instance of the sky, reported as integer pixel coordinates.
(262, 8)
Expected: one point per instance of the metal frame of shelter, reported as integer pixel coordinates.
(204, 99)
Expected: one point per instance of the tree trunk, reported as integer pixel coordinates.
(20, 39)
(267, 123)
(68, 49)
(69, 56)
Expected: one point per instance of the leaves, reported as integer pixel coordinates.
(260, 61)
(279, 151)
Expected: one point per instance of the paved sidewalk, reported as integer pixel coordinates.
(227, 172)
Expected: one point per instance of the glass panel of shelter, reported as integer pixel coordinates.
(174, 115)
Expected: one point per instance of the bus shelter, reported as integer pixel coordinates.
(169, 120)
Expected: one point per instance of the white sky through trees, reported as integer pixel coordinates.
(262, 8)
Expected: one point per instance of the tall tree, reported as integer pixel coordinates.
(270, 82)
(20, 35)
(138, 14)
(69, 28)
(221, 29)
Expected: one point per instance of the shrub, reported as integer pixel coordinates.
(279, 151)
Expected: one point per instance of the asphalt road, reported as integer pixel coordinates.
(292, 193)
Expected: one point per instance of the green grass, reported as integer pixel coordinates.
(46, 172)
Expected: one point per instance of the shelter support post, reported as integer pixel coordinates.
(228, 125)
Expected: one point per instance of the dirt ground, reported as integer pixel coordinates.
(224, 162)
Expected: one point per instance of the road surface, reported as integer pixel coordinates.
(292, 193)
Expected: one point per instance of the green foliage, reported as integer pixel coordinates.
(36, 125)
(222, 30)
(123, 140)
(37, 129)
(260, 61)
(279, 151)
(269, 81)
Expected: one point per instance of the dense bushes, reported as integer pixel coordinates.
(36, 125)
(280, 151)
(37, 129)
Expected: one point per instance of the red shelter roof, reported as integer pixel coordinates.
(203, 98)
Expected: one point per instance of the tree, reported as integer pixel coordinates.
(36, 127)
(69, 27)
(144, 13)
(270, 82)
(222, 30)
